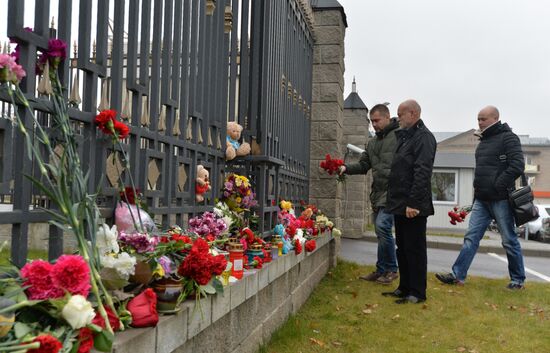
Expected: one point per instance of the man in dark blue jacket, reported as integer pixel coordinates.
(499, 162)
(410, 201)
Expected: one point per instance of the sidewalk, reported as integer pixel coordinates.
(492, 244)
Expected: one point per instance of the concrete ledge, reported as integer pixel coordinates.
(242, 318)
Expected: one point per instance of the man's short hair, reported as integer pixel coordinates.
(380, 108)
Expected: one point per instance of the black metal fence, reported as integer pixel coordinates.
(177, 70)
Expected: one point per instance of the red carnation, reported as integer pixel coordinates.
(121, 129)
(86, 340)
(310, 245)
(37, 275)
(298, 247)
(48, 344)
(144, 309)
(105, 121)
(71, 273)
(291, 230)
(129, 195)
(218, 264)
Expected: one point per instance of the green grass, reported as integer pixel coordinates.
(345, 314)
(32, 254)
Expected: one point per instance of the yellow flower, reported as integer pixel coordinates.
(238, 182)
(248, 192)
(238, 199)
(286, 205)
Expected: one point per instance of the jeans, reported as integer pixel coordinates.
(383, 224)
(410, 234)
(482, 214)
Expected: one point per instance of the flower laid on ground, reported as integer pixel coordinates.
(207, 224)
(200, 265)
(310, 245)
(48, 344)
(143, 309)
(331, 166)
(78, 312)
(458, 215)
(140, 242)
(297, 246)
(46, 281)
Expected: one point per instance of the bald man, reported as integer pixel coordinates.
(410, 201)
(499, 162)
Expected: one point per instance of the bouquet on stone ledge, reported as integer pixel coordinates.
(459, 214)
(331, 166)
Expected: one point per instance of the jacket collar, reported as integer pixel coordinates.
(408, 132)
(393, 125)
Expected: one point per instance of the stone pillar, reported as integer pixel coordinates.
(327, 118)
(356, 211)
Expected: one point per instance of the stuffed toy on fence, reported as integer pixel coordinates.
(234, 148)
(202, 183)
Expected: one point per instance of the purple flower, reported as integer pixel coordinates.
(167, 265)
(207, 223)
(57, 49)
(139, 241)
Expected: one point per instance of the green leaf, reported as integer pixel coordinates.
(209, 289)
(218, 285)
(21, 329)
(103, 341)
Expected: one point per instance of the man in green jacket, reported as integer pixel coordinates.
(379, 157)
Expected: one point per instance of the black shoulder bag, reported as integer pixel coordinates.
(521, 201)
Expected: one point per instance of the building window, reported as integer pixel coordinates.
(445, 186)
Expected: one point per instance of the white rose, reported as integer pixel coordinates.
(106, 239)
(78, 312)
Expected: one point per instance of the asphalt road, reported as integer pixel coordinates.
(485, 265)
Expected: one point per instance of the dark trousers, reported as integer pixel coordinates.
(410, 234)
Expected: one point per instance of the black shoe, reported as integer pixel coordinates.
(515, 286)
(396, 294)
(448, 278)
(410, 299)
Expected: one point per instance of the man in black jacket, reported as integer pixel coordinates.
(410, 200)
(499, 162)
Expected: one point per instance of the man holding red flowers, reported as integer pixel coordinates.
(378, 157)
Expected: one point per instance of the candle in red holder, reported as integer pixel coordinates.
(236, 254)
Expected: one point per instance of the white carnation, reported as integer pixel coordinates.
(123, 263)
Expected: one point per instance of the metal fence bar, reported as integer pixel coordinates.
(176, 65)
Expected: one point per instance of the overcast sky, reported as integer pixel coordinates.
(454, 57)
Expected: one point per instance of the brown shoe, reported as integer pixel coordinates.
(387, 278)
(371, 277)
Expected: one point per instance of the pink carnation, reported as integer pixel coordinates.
(71, 273)
(37, 275)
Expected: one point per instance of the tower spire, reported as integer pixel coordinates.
(354, 86)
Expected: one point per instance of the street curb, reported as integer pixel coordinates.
(482, 248)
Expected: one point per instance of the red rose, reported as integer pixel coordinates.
(121, 129)
(37, 275)
(144, 309)
(113, 319)
(86, 340)
(71, 273)
(48, 344)
(298, 247)
(310, 245)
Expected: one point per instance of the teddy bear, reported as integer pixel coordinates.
(202, 183)
(234, 148)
